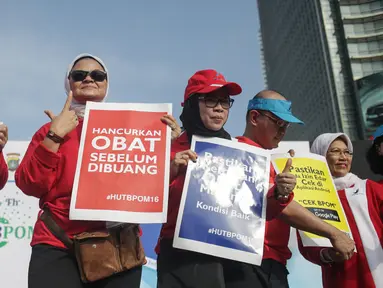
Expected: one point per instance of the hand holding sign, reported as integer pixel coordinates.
(3, 135)
(172, 123)
(66, 121)
(285, 181)
(180, 160)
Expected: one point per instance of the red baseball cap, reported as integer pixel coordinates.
(209, 80)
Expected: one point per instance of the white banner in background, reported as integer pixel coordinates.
(18, 214)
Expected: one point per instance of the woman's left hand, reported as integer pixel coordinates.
(285, 181)
(172, 123)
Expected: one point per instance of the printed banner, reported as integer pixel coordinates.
(315, 190)
(18, 214)
(223, 205)
(122, 170)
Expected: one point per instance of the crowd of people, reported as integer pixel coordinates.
(48, 168)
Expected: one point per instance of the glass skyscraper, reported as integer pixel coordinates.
(327, 57)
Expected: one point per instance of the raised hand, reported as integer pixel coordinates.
(172, 123)
(285, 181)
(66, 121)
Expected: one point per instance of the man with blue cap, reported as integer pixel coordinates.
(268, 117)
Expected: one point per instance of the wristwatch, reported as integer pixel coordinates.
(54, 137)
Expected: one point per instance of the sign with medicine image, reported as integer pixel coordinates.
(315, 190)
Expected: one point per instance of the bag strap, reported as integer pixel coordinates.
(55, 229)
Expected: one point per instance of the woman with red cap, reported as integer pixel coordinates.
(206, 109)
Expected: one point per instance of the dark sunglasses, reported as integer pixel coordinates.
(280, 123)
(80, 75)
(212, 102)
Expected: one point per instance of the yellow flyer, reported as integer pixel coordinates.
(315, 190)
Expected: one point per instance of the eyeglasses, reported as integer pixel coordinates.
(338, 153)
(212, 102)
(80, 75)
(280, 123)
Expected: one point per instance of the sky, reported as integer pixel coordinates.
(150, 47)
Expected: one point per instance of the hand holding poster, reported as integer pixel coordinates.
(122, 170)
(223, 205)
(315, 190)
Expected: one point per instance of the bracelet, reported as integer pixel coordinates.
(54, 137)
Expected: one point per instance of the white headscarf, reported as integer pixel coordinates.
(79, 108)
(320, 146)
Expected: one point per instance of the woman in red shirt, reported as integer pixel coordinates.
(3, 164)
(362, 202)
(47, 172)
(206, 108)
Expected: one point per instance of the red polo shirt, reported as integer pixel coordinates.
(274, 207)
(277, 232)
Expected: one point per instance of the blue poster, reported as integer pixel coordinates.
(222, 211)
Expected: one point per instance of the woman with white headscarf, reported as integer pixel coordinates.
(47, 172)
(362, 202)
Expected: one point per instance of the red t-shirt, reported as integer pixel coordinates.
(274, 207)
(49, 176)
(3, 171)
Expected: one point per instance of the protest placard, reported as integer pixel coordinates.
(223, 205)
(122, 172)
(315, 190)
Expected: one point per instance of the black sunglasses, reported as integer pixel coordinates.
(212, 102)
(80, 75)
(280, 123)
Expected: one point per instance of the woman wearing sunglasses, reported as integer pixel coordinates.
(47, 172)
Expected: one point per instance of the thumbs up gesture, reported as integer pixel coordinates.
(285, 181)
(66, 121)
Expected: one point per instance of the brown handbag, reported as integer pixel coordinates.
(101, 254)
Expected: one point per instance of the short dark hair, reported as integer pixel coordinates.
(374, 159)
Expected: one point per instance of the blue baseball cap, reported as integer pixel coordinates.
(378, 133)
(280, 108)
